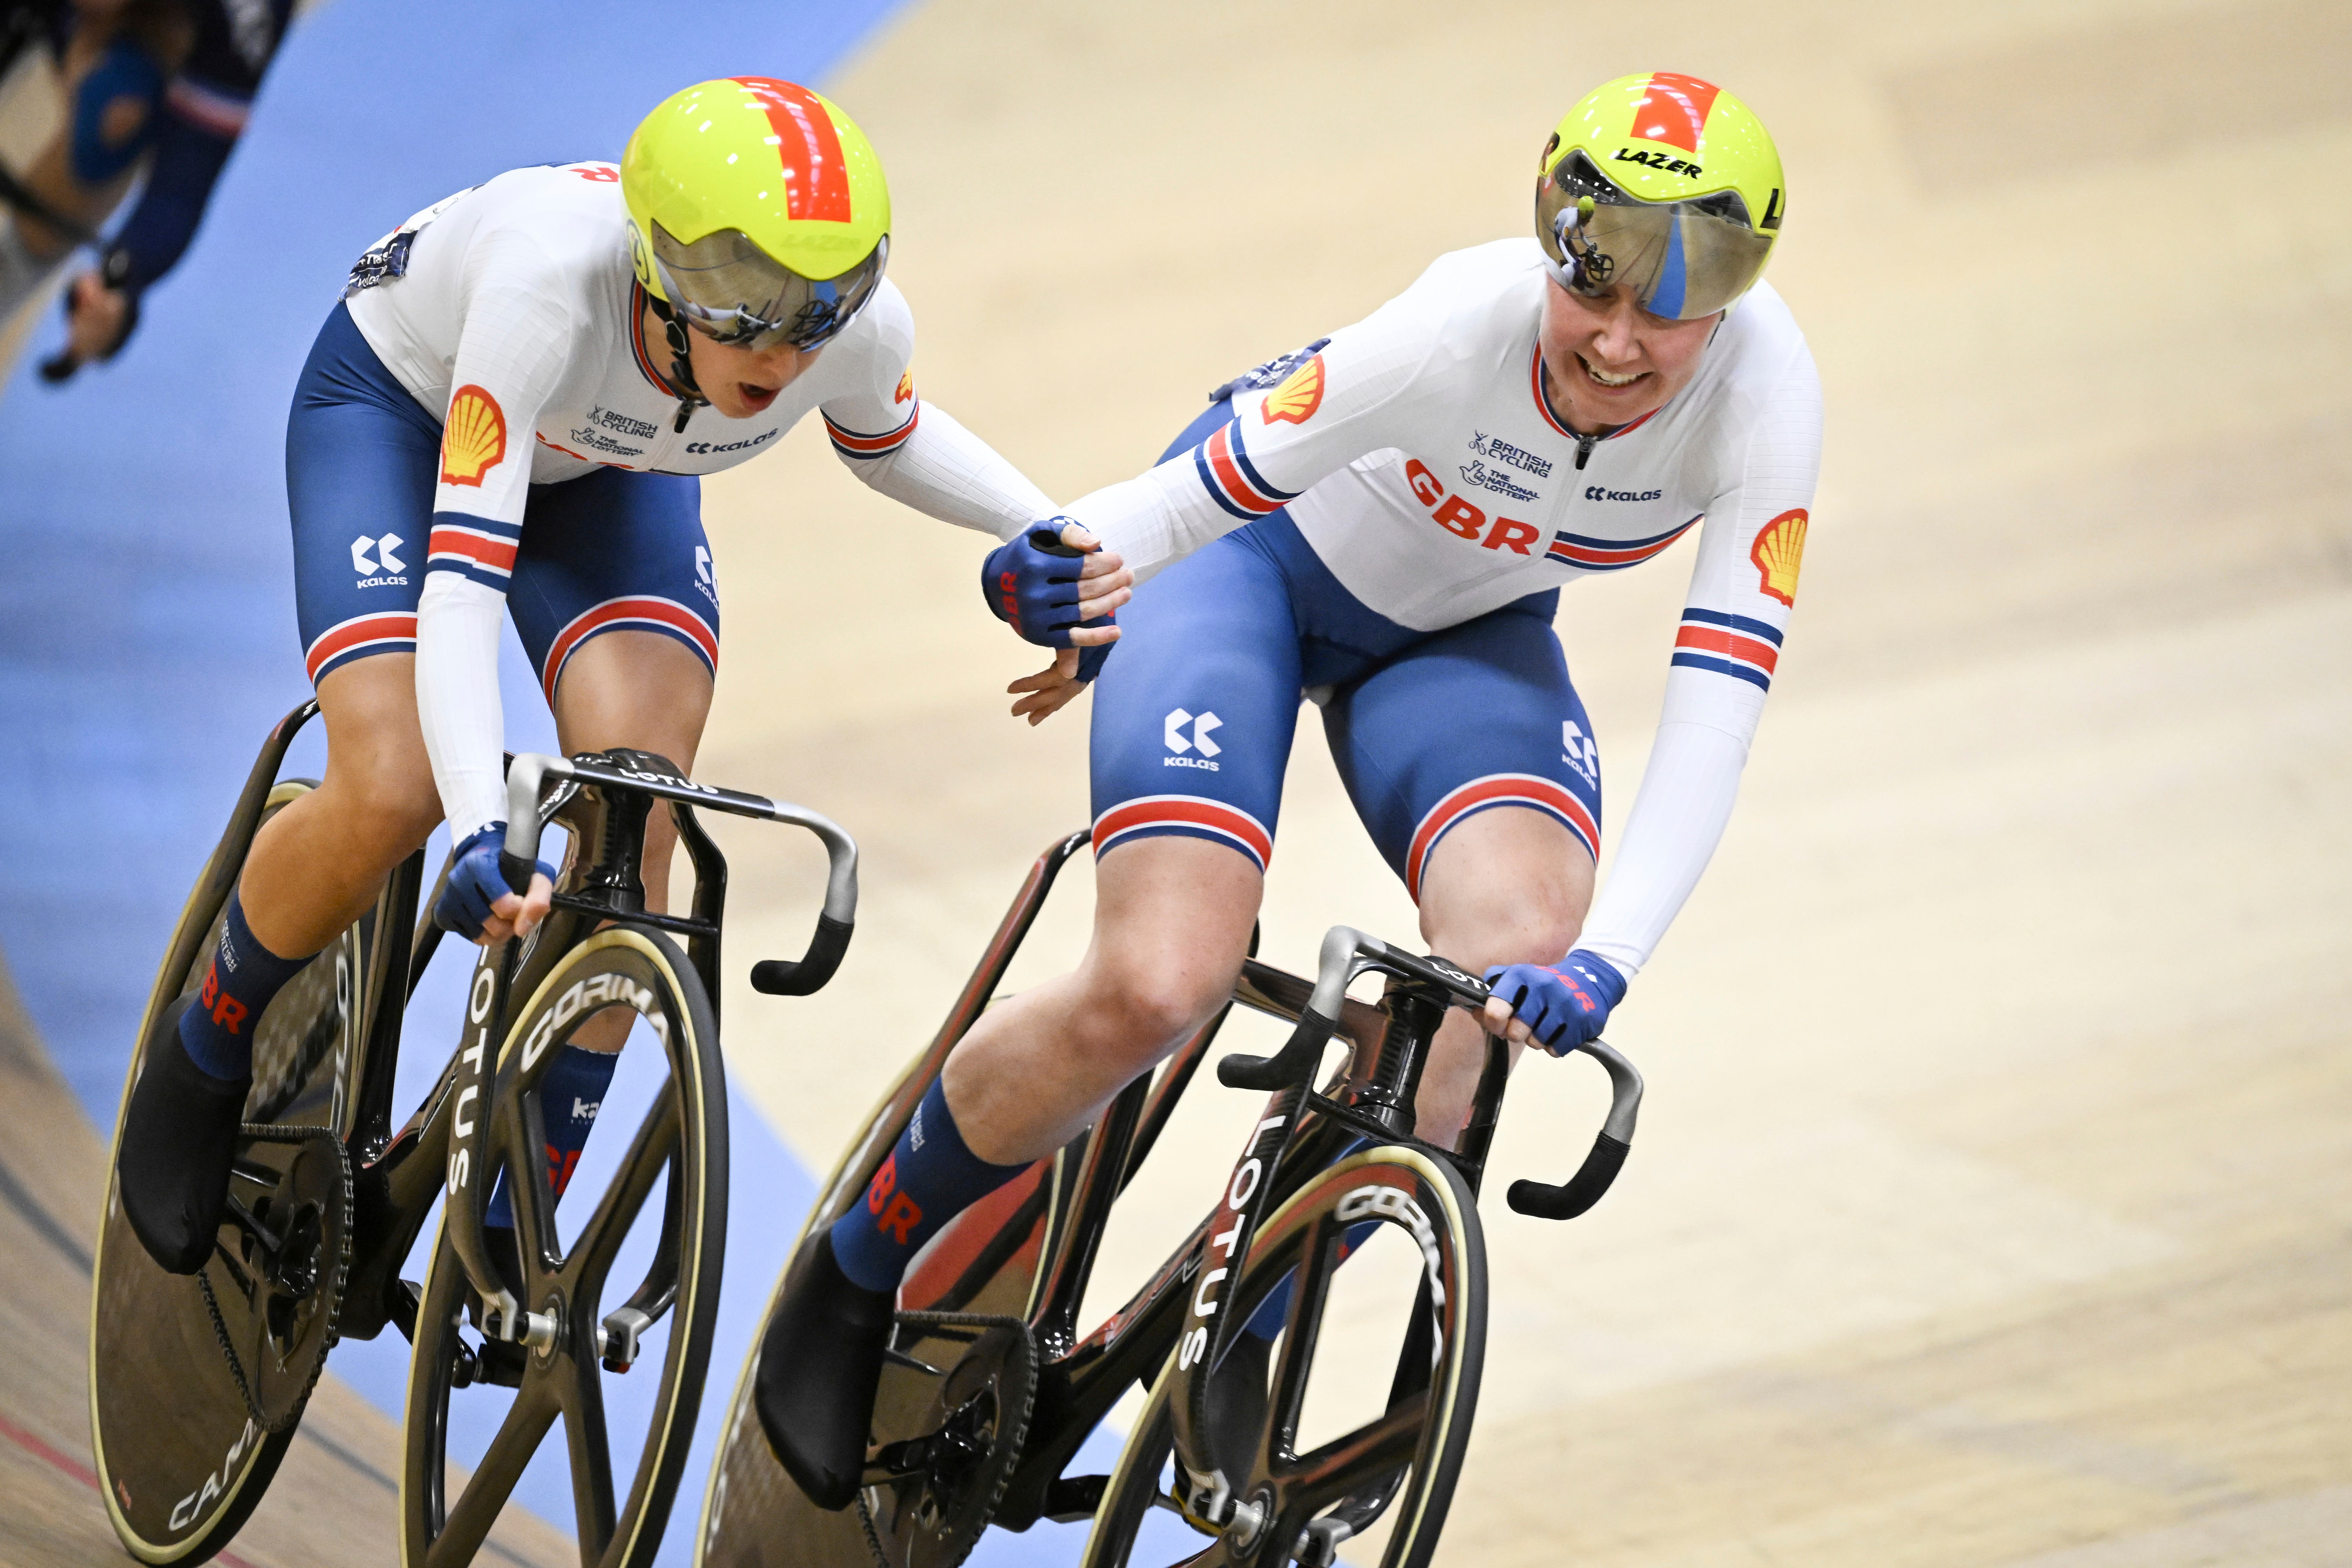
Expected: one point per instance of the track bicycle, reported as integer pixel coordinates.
(197, 1383)
(989, 1390)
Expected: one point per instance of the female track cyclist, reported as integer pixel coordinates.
(508, 415)
(1381, 522)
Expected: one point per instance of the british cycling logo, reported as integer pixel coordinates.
(383, 572)
(612, 419)
(601, 420)
(1503, 452)
(1601, 492)
(1179, 744)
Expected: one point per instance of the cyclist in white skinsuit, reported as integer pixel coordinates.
(506, 415)
(1381, 522)
(519, 311)
(1423, 468)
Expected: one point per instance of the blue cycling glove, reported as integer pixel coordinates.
(1031, 584)
(1565, 1005)
(475, 883)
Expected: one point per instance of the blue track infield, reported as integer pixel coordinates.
(147, 638)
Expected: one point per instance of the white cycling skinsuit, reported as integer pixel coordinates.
(511, 313)
(1419, 460)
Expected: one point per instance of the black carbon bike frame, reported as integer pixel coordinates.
(1301, 1131)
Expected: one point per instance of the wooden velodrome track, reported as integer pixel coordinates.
(1991, 1203)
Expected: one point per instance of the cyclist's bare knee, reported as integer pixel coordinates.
(1172, 921)
(1507, 886)
(378, 785)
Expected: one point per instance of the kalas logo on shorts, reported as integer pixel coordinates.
(1601, 492)
(382, 571)
(1179, 744)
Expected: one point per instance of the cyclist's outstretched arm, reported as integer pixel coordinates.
(913, 451)
(1743, 586)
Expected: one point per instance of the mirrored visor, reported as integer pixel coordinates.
(1681, 259)
(738, 294)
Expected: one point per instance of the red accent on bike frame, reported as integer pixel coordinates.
(808, 149)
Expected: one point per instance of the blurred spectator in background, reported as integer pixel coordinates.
(163, 82)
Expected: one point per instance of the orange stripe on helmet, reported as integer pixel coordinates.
(1672, 109)
(808, 149)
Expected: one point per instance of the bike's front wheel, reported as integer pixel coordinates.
(559, 1373)
(1392, 1466)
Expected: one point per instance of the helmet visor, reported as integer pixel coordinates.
(1681, 259)
(737, 293)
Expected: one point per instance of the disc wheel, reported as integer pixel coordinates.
(196, 1383)
(1399, 1466)
(680, 1146)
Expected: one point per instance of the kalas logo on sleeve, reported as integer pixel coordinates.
(905, 388)
(1778, 553)
(1297, 399)
(474, 437)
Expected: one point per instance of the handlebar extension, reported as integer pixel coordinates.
(1581, 1191)
(1348, 952)
(774, 977)
(519, 854)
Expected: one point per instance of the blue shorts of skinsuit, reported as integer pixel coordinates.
(608, 551)
(1195, 709)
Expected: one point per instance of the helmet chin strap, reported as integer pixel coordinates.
(681, 366)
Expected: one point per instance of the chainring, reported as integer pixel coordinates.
(971, 1429)
(275, 1310)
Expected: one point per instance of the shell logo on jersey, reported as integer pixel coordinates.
(1297, 399)
(1779, 552)
(473, 438)
(905, 388)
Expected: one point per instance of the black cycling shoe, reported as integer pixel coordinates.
(820, 1363)
(179, 1135)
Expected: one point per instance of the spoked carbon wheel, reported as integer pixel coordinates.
(196, 1383)
(1396, 1465)
(678, 1159)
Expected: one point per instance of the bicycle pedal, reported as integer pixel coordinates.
(401, 1299)
(500, 1363)
(1073, 1500)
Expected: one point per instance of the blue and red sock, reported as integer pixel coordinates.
(930, 1178)
(569, 1098)
(245, 977)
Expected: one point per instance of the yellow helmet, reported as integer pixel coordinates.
(757, 211)
(1664, 183)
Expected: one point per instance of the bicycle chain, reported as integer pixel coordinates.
(935, 1320)
(265, 1133)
